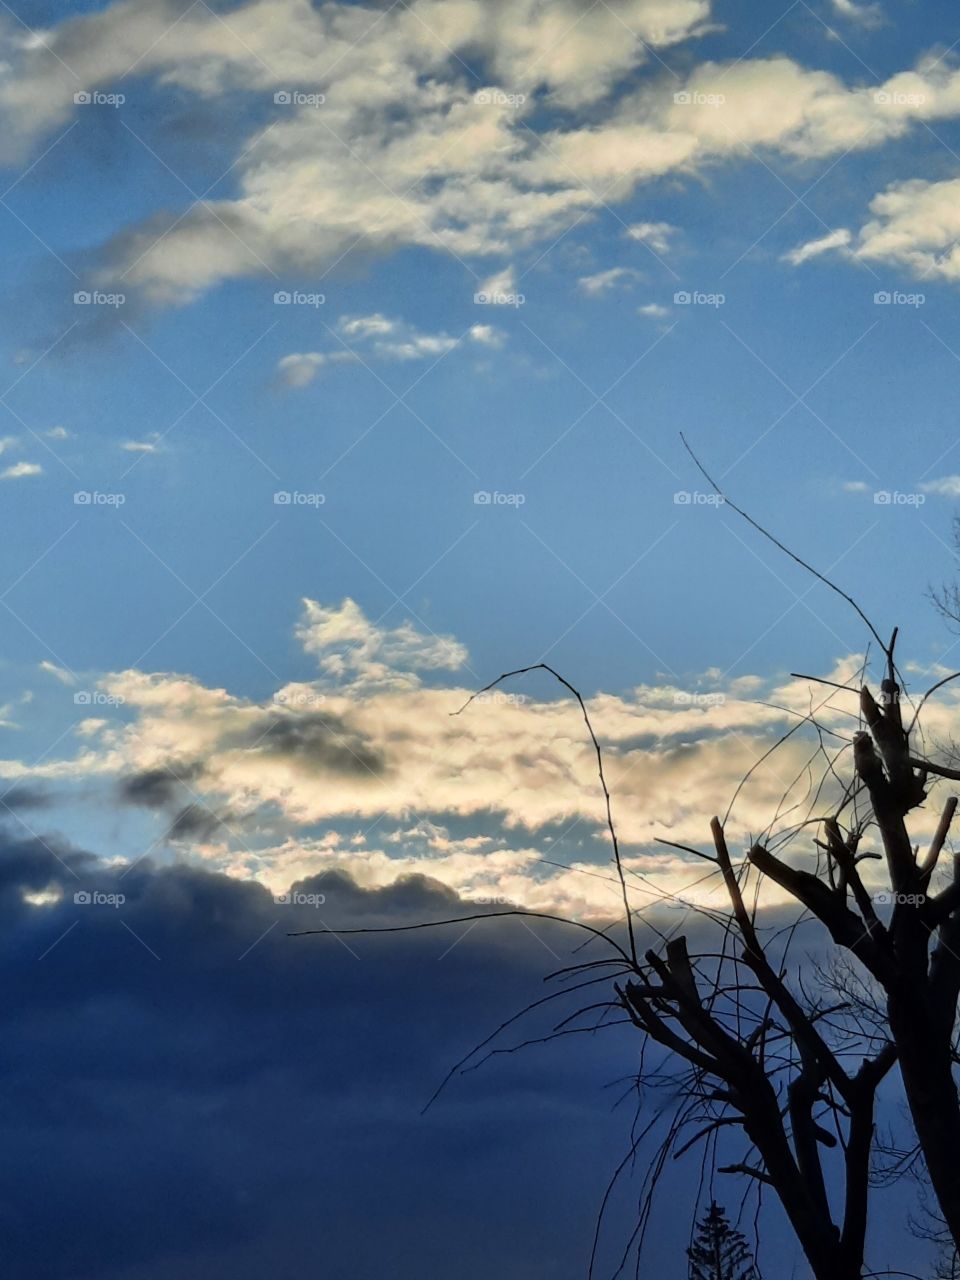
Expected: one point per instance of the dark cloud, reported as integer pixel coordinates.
(185, 1090)
(196, 822)
(24, 799)
(158, 788)
(322, 741)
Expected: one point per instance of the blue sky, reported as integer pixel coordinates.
(782, 173)
(346, 354)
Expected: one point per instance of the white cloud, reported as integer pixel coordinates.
(311, 182)
(487, 335)
(653, 309)
(916, 225)
(57, 433)
(150, 445)
(301, 367)
(394, 339)
(349, 646)
(8, 442)
(603, 281)
(946, 487)
(374, 326)
(371, 740)
(868, 15)
(838, 239)
(855, 486)
(383, 338)
(499, 288)
(655, 234)
(21, 469)
(58, 673)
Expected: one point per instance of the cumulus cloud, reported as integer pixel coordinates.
(347, 644)
(655, 234)
(479, 799)
(58, 673)
(867, 15)
(301, 367)
(19, 470)
(383, 338)
(177, 1018)
(313, 181)
(603, 281)
(150, 445)
(915, 225)
(838, 239)
(945, 487)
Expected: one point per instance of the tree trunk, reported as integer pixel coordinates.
(926, 1069)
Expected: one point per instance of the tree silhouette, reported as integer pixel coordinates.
(775, 1082)
(719, 1251)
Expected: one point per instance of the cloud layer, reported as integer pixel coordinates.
(471, 128)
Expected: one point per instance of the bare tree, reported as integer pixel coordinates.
(767, 1063)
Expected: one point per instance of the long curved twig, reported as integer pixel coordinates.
(543, 666)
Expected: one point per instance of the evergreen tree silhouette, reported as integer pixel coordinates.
(719, 1251)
